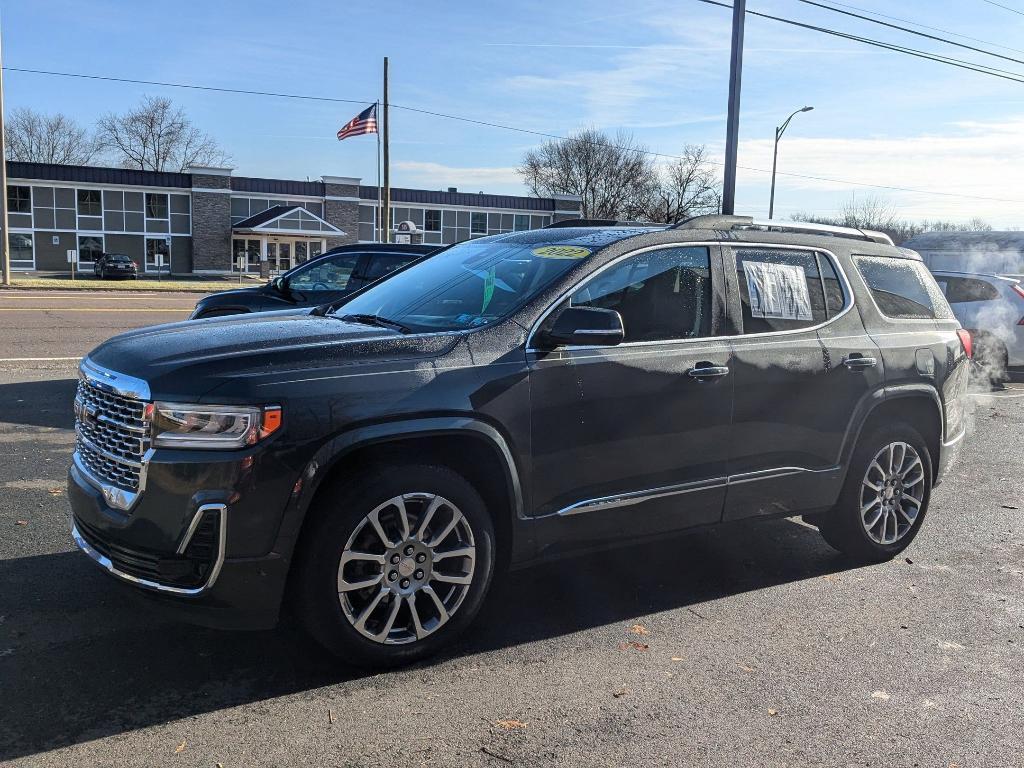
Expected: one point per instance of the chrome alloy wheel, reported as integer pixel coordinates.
(892, 493)
(406, 568)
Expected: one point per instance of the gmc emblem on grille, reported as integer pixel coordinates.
(85, 412)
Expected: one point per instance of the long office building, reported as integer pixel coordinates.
(210, 221)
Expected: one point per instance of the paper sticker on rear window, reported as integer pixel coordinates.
(777, 291)
(561, 252)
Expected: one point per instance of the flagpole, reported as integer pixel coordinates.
(379, 219)
(386, 218)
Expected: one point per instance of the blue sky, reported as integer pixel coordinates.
(658, 69)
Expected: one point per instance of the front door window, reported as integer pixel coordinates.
(158, 255)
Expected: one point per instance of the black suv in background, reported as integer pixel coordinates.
(513, 399)
(110, 265)
(329, 277)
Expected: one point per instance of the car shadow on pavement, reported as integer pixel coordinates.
(79, 661)
(46, 403)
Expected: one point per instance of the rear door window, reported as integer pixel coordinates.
(782, 290)
(903, 289)
(381, 264)
(962, 290)
(331, 273)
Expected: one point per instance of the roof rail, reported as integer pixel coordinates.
(598, 223)
(714, 221)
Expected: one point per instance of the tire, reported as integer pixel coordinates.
(847, 529)
(342, 522)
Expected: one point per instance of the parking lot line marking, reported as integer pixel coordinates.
(94, 309)
(35, 359)
(94, 297)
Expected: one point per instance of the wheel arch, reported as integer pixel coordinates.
(471, 447)
(916, 404)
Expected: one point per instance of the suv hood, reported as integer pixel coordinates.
(176, 357)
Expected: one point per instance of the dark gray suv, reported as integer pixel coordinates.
(514, 399)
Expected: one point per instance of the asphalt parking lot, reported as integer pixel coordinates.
(754, 645)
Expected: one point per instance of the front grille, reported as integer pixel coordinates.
(112, 435)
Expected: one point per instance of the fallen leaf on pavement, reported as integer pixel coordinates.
(880, 695)
(636, 646)
(180, 748)
(639, 629)
(1008, 506)
(677, 658)
(773, 712)
(621, 692)
(745, 668)
(21, 522)
(510, 725)
(909, 561)
(56, 491)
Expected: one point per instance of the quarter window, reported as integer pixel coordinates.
(782, 290)
(661, 295)
(19, 199)
(903, 288)
(330, 274)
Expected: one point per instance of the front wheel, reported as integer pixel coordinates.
(394, 565)
(885, 497)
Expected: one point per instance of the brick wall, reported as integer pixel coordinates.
(344, 214)
(211, 222)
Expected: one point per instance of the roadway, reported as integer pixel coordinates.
(755, 645)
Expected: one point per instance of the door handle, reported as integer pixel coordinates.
(707, 371)
(857, 362)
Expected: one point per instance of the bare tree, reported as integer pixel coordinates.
(611, 174)
(881, 215)
(157, 136)
(688, 186)
(37, 138)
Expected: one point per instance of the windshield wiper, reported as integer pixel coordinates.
(377, 320)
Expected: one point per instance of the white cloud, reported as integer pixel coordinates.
(980, 159)
(439, 176)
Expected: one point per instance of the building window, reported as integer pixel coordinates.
(22, 255)
(90, 248)
(522, 222)
(478, 224)
(156, 205)
(19, 199)
(433, 221)
(89, 203)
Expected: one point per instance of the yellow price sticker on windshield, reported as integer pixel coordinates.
(561, 252)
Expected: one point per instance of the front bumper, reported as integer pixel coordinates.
(190, 550)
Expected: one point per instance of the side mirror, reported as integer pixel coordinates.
(280, 284)
(585, 326)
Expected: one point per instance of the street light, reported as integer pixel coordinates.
(775, 156)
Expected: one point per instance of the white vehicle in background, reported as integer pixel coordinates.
(984, 253)
(991, 307)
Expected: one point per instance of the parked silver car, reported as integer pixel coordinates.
(992, 308)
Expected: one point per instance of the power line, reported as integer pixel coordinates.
(185, 85)
(912, 31)
(925, 26)
(959, 63)
(501, 126)
(1000, 5)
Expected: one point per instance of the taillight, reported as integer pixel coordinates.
(966, 342)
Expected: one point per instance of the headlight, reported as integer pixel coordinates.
(179, 425)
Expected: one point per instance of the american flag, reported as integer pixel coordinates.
(364, 122)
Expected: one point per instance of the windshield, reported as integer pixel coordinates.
(466, 286)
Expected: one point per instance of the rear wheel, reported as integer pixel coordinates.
(884, 500)
(394, 566)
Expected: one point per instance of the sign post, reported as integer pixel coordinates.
(72, 258)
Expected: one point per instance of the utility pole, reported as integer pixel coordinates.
(6, 237)
(386, 218)
(739, 10)
(775, 156)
